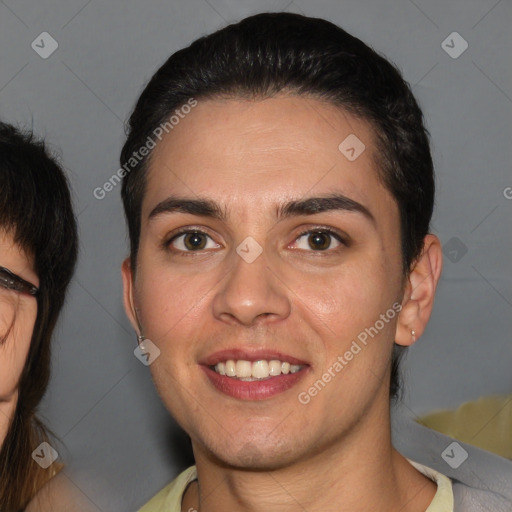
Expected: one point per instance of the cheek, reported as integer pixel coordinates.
(352, 342)
(172, 309)
(344, 301)
(16, 327)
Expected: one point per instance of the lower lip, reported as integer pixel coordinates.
(256, 389)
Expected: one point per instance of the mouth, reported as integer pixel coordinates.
(250, 371)
(253, 375)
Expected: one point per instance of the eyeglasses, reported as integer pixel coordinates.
(11, 281)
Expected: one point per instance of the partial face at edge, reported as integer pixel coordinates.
(17, 318)
(295, 298)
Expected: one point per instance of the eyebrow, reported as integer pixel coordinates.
(309, 206)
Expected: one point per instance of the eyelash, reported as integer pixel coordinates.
(319, 229)
(325, 231)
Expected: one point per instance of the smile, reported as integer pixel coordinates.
(256, 370)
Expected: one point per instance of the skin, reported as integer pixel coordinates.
(60, 494)
(17, 318)
(250, 157)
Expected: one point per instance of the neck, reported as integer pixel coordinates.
(357, 473)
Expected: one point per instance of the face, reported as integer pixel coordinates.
(262, 241)
(17, 317)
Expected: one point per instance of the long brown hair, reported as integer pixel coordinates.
(36, 208)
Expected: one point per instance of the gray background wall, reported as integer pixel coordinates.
(120, 444)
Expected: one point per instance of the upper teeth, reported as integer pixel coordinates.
(247, 370)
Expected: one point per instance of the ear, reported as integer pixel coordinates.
(419, 292)
(128, 290)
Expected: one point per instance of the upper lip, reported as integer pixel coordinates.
(248, 354)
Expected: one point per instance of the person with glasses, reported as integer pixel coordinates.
(38, 252)
(11, 281)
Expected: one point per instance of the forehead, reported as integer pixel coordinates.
(254, 152)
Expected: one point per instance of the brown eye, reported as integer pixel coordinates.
(192, 241)
(319, 241)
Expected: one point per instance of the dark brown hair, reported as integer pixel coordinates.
(36, 209)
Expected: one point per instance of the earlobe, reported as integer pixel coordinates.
(419, 293)
(128, 301)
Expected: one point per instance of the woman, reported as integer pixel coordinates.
(280, 263)
(38, 251)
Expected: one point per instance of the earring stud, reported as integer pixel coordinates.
(413, 334)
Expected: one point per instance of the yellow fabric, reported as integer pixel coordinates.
(443, 499)
(485, 423)
(169, 498)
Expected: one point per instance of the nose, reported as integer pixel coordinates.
(251, 293)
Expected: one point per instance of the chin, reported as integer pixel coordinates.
(256, 455)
